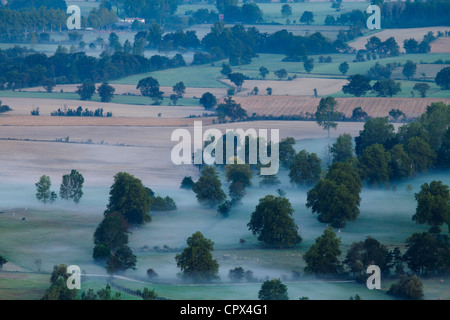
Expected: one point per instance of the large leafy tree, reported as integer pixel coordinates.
(196, 262)
(149, 87)
(58, 289)
(273, 290)
(121, 260)
(229, 108)
(387, 88)
(427, 253)
(443, 78)
(358, 85)
(286, 151)
(323, 256)
(400, 163)
(326, 115)
(86, 90)
(72, 186)
(342, 149)
(130, 198)
(409, 69)
(112, 232)
(208, 188)
(305, 168)
(272, 222)
(336, 198)
(2, 262)
(239, 176)
(374, 164)
(208, 100)
(106, 92)
(433, 205)
(376, 130)
(365, 253)
(422, 155)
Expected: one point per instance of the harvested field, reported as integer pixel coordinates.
(131, 89)
(400, 35)
(375, 107)
(441, 45)
(296, 87)
(23, 107)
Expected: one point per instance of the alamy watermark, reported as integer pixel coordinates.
(374, 280)
(74, 21)
(74, 280)
(259, 149)
(374, 21)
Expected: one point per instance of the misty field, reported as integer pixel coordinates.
(62, 233)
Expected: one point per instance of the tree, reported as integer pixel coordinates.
(226, 69)
(305, 168)
(269, 91)
(308, 65)
(251, 13)
(149, 87)
(422, 88)
(239, 176)
(187, 183)
(443, 78)
(422, 155)
(358, 85)
(281, 74)
(86, 90)
(336, 198)
(72, 186)
(208, 188)
(379, 72)
(443, 154)
(411, 45)
(2, 262)
(409, 69)
(229, 108)
(58, 289)
(376, 130)
(427, 253)
(343, 68)
(374, 164)
(326, 115)
(365, 253)
(272, 222)
(221, 5)
(111, 233)
(106, 92)
(149, 294)
(433, 205)
(121, 260)
(387, 88)
(286, 151)
(273, 290)
(196, 261)
(263, 72)
(396, 113)
(237, 78)
(179, 89)
(410, 287)
(208, 100)
(129, 197)
(286, 11)
(307, 17)
(43, 192)
(342, 149)
(49, 84)
(323, 256)
(400, 164)
(358, 114)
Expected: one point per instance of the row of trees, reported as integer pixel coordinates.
(71, 188)
(22, 68)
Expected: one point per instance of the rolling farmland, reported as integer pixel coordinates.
(375, 107)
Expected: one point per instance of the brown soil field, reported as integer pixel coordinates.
(296, 87)
(128, 88)
(143, 151)
(375, 107)
(23, 106)
(400, 35)
(441, 45)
